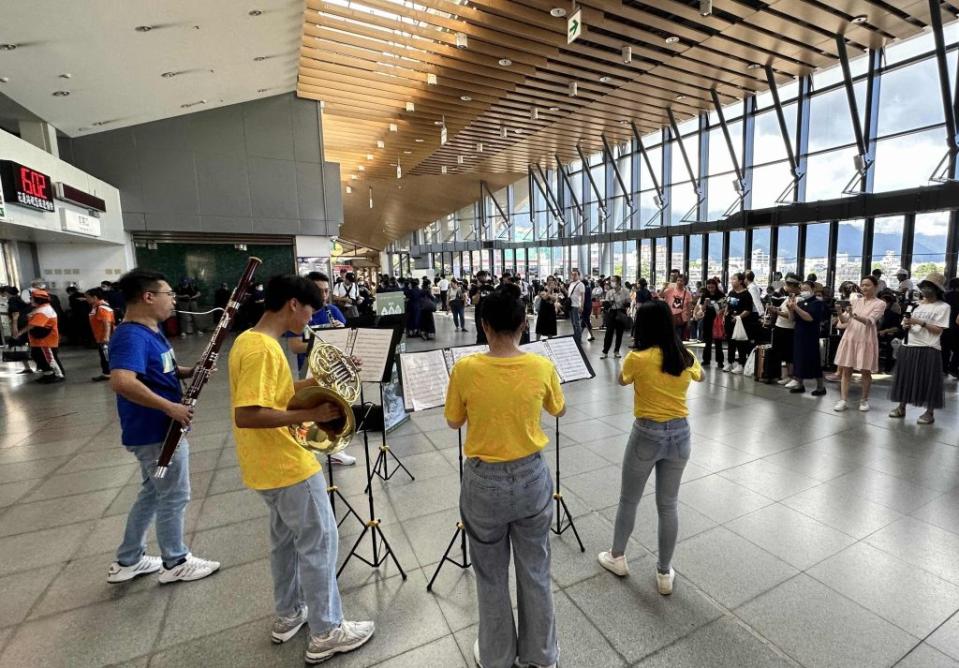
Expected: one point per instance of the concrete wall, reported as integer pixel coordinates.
(251, 168)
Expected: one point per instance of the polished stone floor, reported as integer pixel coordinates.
(807, 538)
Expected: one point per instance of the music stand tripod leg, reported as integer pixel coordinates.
(381, 467)
(334, 491)
(373, 524)
(459, 533)
(564, 519)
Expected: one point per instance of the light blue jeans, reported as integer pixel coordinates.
(664, 446)
(304, 542)
(164, 499)
(503, 505)
(576, 318)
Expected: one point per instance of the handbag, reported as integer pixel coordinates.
(719, 331)
(750, 367)
(739, 331)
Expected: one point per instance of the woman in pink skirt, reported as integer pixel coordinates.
(859, 346)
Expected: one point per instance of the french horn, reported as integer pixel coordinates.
(337, 381)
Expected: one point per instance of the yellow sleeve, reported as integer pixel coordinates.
(455, 410)
(629, 367)
(554, 400)
(696, 370)
(256, 382)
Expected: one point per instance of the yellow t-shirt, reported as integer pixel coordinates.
(657, 395)
(260, 376)
(501, 399)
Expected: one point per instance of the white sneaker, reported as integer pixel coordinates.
(664, 583)
(145, 566)
(840, 406)
(613, 564)
(192, 569)
(864, 406)
(728, 367)
(285, 628)
(344, 638)
(737, 368)
(791, 384)
(783, 381)
(343, 459)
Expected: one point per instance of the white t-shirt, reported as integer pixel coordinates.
(757, 296)
(783, 319)
(577, 290)
(444, 285)
(934, 314)
(340, 290)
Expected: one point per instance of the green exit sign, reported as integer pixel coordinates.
(574, 26)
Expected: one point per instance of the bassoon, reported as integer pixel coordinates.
(206, 365)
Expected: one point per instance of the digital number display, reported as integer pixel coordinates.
(26, 187)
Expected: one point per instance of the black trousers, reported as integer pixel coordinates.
(48, 360)
(707, 337)
(104, 350)
(613, 327)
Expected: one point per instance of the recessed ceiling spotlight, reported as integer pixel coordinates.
(407, 152)
(558, 12)
(169, 75)
(258, 59)
(466, 98)
(66, 75)
(60, 93)
(505, 62)
(255, 12)
(418, 141)
(410, 107)
(672, 39)
(859, 20)
(604, 79)
(143, 28)
(7, 47)
(753, 66)
(4, 79)
(623, 121)
(361, 168)
(680, 97)
(554, 108)
(380, 143)
(369, 156)
(437, 122)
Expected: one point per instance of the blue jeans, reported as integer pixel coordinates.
(458, 319)
(164, 499)
(504, 505)
(304, 541)
(576, 317)
(664, 446)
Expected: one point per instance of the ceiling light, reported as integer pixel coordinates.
(479, 147)
(462, 41)
(705, 7)
(627, 52)
(503, 131)
(534, 114)
(554, 108)
(573, 89)
(460, 160)
(354, 177)
(394, 127)
(259, 59)
(419, 141)
(361, 168)
(519, 131)
(7, 47)
(505, 62)
(442, 169)
(430, 79)
(169, 75)
(753, 66)
(4, 79)
(410, 106)
(349, 190)
(859, 20)
(371, 197)
(680, 97)
(143, 28)
(437, 122)
(60, 93)
(623, 121)
(380, 143)
(66, 75)
(466, 98)
(672, 39)
(604, 79)
(255, 12)
(558, 12)
(407, 152)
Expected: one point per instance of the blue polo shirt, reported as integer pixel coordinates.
(137, 348)
(321, 317)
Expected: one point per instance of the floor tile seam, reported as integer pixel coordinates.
(590, 621)
(66, 524)
(878, 503)
(954, 615)
(845, 533)
(906, 480)
(898, 558)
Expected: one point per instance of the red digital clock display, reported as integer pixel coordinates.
(26, 187)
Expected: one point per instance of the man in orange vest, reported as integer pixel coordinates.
(44, 336)
(101, 324)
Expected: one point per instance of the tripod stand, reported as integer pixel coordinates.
(335, 492)
(564, 520)
(459, 533)
(378, 539)
(382, 466)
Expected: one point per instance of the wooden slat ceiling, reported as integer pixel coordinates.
(367, 60)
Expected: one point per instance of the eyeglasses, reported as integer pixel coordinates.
(168, 293)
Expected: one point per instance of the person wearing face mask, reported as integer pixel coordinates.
(808, 312)
(918, 376)
(859, 346)
(739, 304)
(618, 298)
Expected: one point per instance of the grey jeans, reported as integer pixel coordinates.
(504, 505)
(664, 446)
(304, 539)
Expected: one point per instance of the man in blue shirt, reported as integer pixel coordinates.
(328, 314)
(146, 378)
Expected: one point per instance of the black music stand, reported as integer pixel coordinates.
(373, 524)
(564, 519)
(382, 466)
(335, 492)
(459, 533)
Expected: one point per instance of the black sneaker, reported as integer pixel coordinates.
(800, 389)
(818, 393)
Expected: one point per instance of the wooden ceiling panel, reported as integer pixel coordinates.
(368, 60)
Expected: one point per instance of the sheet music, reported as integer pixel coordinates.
(568, 359)
(536, 347)
(460, 352)
(373, 347)
(425, 379)
(340, 337)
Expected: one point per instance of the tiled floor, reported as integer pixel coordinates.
(806, 537)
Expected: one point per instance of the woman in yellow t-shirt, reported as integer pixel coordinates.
(507, 490)
(660, 370)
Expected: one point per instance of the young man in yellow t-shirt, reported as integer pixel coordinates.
(303, 529)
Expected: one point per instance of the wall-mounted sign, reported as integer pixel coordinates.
(25, 186)
(574, 26)
(68, 193)
(72, 221)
